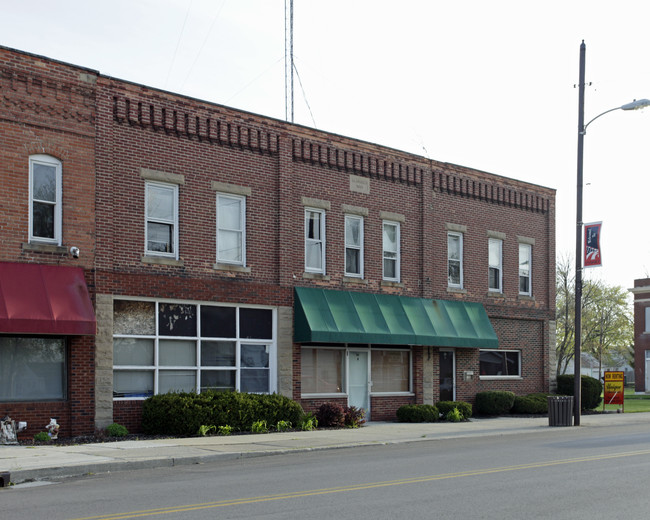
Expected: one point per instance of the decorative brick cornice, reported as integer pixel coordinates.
(200, 124)
(355, 162)
(42, 96)
(489, 190)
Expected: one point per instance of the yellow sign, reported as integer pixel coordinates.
(614, 388)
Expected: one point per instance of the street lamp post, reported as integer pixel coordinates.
(582, 130)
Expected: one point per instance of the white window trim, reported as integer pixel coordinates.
(357, 248)
(174, 223)
(156, 368)
(530, 269)
(647, 320)
(322, 241)
(494, 378)
(499, 266)
(398, 251)
(242, 244)
(58, 212)
(460, 241)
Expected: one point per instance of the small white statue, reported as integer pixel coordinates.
(8, 431)
(52, 429)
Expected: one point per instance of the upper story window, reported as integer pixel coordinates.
(647, 319)
(455, 259)
(495, 260)
(161, 202)
(231, 229)
(45, 213)
(391, 251)
(354, 246)
(315, 240)
(525, 258)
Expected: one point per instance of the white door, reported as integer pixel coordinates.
(358, 380)
(647, 370)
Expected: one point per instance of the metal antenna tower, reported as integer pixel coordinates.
(288, 58)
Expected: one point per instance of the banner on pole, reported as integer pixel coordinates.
(592, 256)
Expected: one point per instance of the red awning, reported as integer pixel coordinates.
(44, 299)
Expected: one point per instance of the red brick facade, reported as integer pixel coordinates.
(113, 137)
(641, 293)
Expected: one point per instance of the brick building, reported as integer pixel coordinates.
(227, 250)
(641, 292)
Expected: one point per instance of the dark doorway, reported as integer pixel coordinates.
(447, 368)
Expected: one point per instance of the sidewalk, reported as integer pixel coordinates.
(27, 463)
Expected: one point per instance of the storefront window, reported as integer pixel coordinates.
(32, 369)
(322, 371)
(231, 349)
(390, 370)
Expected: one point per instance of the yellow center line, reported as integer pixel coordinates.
(360, 487)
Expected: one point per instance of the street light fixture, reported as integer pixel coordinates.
(582, 130)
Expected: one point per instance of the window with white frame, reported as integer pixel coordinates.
(45, 213)
(315, 240)
(161, 202)
(324, 371)
(455, 259)
(390, 370)
(160, 347)
(32, 368)
(495, 264)
(500, 363)
(354, 246)
(391, 251)
(525, 259)
(231, 229)
(647, 319)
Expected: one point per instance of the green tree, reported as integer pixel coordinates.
(607, 325)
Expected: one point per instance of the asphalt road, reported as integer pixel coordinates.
(576, 473)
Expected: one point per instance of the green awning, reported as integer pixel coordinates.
(326, 316)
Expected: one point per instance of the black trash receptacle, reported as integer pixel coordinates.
(560, 410)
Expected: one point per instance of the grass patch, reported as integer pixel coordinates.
(634, 403)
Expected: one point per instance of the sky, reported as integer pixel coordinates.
(488, 85)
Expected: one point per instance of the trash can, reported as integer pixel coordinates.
(560, 410)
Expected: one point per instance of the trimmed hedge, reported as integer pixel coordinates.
(531, 404)
(418, 413)
(183, 413)
(494, 402)
(465, 409)
(590, 393)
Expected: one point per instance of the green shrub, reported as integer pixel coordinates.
(494, 402)
(453, 415)
(183, 413)
(591, 388)
(531, 404)
(204, 429)
(331, 415)
(116, 430)
(354, 417)
(42, 437)
(224, 430)
(308, 422)
(283, 426)
(259, 427)
(418, 413)
(465, 409)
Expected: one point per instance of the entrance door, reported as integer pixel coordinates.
(447, 375)
(647, 370)
(358, 380)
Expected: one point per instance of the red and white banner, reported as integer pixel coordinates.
(592, 256)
